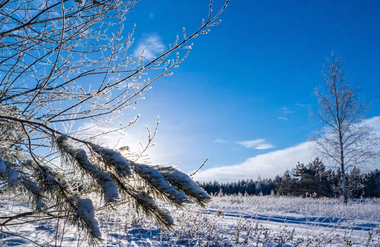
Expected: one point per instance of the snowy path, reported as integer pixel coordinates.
(312, 221)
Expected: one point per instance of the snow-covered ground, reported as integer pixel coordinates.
(229, 221)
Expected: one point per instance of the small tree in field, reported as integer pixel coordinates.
(65, 68)
(343, 137)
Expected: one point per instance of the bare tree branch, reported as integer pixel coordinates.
(65, 65)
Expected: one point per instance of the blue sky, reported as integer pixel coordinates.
(242, 96)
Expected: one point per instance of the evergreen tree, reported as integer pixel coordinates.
(356, 183)
(285, 185)
(312, 179)
(372, 184)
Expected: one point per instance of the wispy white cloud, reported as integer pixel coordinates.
(263, 146)
(151, 45)
(270, 164)
(220, 141)
(302, 105)
(285, 113)
(256, 144)
(266, 165)
(282, 118)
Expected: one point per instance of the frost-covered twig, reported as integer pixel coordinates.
(200, 167)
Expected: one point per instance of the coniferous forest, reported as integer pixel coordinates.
(310, 180)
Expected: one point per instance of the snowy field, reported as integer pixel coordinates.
(229, 221)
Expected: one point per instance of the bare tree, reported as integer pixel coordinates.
(50, 51)
(343, 137)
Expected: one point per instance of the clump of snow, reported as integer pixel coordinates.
(113, 158)
(184, 183)
(82, 158)
(158, 181)
(6, 169)
(110, 191)
(86, 211)
(108, 186)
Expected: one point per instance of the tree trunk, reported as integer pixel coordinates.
(344, 182)
(343, 169)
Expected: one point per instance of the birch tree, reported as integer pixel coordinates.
(64, 63)
(343, 137)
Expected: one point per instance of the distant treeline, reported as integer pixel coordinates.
(312, 179)
(249, 187)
